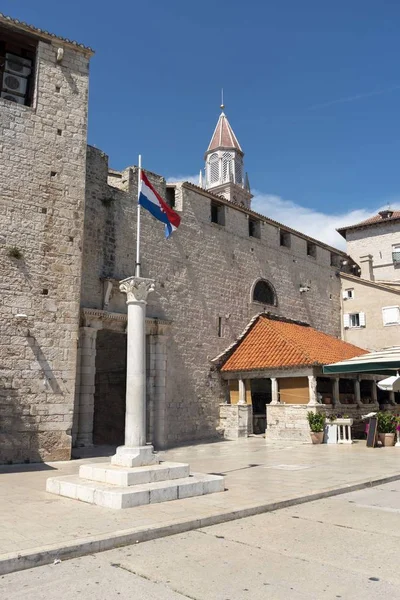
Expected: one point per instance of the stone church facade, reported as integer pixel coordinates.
(68, 236)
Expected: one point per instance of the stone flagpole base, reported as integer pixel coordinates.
(134, 457)
(135, 475)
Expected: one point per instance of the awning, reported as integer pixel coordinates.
(380, 362)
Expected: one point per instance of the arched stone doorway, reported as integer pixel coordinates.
(101, 379)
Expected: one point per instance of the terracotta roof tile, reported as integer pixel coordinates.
(272, 343)
(376, 219)
(223, 136)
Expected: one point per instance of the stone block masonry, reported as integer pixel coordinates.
(42, 191)
(204, 276)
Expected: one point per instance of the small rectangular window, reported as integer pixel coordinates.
(311, 249)
(284, 239)
(170, 196)
(391, 315)
(217, 213)
(354, 320)
(335, 260)
(254, 228)
(348, 294)
(396, 254)
(219, 326)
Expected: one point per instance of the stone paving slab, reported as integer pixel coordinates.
(38, 527)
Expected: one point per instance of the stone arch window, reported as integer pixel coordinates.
(214, 168)
(264, 293)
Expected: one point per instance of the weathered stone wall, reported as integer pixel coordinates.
(287, 422)
(378, 242)
(42, 182)
(203, 273)
(236, 420)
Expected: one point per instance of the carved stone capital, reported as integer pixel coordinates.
(136, 288)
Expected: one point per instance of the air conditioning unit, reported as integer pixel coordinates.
(14, 83)
(13, 97)
(18, 65)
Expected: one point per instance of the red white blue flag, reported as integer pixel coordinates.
(151, 200)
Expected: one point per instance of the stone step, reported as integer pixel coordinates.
(125, 476)
(111, 496)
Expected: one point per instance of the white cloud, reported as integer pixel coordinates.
(190, 178)
(314, 223)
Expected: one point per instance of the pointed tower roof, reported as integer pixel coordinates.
(223, 136)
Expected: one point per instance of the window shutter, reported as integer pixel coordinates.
(390, 315)
(362, 319)
(346, 321)
(344, 294)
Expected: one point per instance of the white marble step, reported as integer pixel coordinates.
(111, 496)
(124, 476)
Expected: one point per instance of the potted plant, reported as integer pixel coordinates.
(316, 422)
(386, 428)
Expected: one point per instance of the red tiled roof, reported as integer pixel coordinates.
(273, 343)
(376, 219)
(223, 136)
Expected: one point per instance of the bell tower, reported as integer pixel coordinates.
(224, 172)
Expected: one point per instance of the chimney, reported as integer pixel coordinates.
(366, 264)
(385, 214)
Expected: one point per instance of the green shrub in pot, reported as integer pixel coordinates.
(316, 421)
(386, 428)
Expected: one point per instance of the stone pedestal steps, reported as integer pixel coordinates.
(119, 487)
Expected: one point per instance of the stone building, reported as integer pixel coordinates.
(43, 119)
(276, 368)
(223, 265)
(68, 237)
(374, 244)
(371, 301)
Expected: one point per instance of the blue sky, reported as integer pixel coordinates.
(312, 90)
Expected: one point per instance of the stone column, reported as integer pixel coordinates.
(135, 452)
(336, 392)
(357, 392)
(242, 392)
(274, 391)
(75, 421)
(374, 392)
(87, 374)
(312, 389)
(392, 399)
(160, 400)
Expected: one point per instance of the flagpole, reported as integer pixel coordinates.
(137, 266)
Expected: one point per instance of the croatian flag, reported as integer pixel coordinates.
(151, 200)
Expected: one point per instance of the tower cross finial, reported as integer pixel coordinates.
(222, 99)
